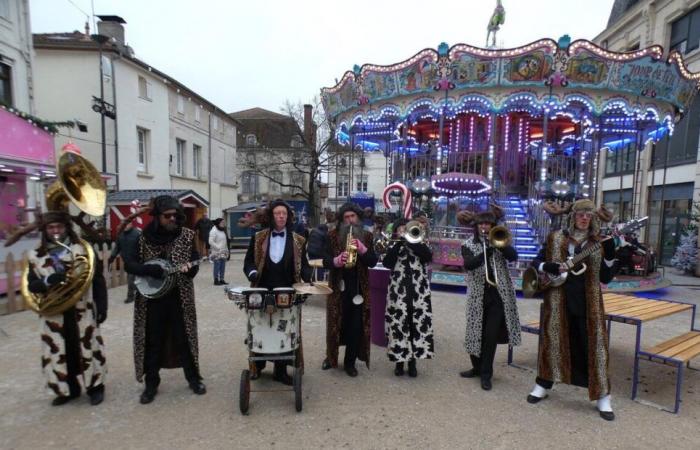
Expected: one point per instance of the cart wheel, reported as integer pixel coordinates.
(244, 394)
(297, 388)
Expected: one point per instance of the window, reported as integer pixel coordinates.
(144, 138)
(250, 159)
(144, 88)
(685, 32)
(343, 187)
(620, 159)
(275, 180)
(342, 162)
(179, 156)
(196, 161)
(215, 122)
(198, 114)
(296, 179)
(6, 84)
(249, 182)
(180, 104)
(250, 140)
(619, 202)
(682, 147)
(296, 141)
(362, 183)
(5, 9)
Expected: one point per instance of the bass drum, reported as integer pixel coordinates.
(153, 288)
(274, 333)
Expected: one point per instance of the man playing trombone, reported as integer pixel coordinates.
(492, 315)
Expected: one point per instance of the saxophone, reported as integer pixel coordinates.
(351, 250)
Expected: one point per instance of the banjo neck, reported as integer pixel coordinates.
(191, 263)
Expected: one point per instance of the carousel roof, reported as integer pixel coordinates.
(543, 75)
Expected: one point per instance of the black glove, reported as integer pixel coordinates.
(608, 248)
(37, 287)
(153, 270)
(551, 267)
(110, 261)
(466, 253)
(101, 317)
(509, 253)
(55, 278)
(489, 251)
(253, 276)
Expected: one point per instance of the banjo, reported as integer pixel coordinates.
(153, 288)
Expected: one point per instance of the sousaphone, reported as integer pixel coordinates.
(78, 182)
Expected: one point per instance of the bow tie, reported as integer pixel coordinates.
(277, 234)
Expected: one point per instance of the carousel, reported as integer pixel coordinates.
(462, 127)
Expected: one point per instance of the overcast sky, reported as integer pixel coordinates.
(239, 54)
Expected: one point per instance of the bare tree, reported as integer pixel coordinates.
(309, 160)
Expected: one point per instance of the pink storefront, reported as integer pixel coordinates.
(26, 163)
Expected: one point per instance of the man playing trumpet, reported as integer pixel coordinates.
(492, 315)
(574, 347)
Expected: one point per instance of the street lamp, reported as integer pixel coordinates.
(98, 104)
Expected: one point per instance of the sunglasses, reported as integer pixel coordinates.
(584, 214)
(170, 215)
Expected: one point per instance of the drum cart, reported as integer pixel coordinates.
(273, 333)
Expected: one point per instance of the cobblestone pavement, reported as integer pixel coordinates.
(375, 410)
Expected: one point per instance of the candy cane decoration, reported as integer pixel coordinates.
(407, 210)
(135, 207)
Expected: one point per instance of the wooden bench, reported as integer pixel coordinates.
(677, 352)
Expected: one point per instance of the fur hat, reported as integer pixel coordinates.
(349, 207)
(163, 203)
(492, 216)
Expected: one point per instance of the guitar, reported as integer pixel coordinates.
(153, 288)
(547, 280)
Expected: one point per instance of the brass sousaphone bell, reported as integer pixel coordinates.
(78, 182)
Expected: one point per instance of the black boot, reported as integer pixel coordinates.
(97, 395)
(148, 395)
(398, 371)
(412, 371)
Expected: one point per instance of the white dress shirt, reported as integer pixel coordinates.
(277, 246)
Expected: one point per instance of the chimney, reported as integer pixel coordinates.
(112, 27)
(309, 126)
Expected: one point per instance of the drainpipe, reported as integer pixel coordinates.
(209, 162)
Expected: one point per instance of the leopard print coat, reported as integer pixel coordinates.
(178, 251)
(93, 364)
(555, 359)
(476, 280)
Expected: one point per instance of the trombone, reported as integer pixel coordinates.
(499, 237)
(414, 234)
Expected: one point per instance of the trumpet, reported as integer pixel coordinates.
(499, 237)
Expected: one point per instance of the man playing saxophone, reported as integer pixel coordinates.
(349, 255)
(492, 315)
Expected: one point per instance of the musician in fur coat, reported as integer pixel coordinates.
(73, 355)
(165, 328)
(347, 308)
(409, 315)
(574, 345)
(492, 314)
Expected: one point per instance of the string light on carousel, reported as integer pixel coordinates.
(518, 127)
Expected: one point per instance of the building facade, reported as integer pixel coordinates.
(356, 174)
(144, 129)
(26, 143)
(668, 171)
(273, 156)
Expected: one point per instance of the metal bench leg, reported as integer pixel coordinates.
(679, 382)
(635, 372)
(609, 329)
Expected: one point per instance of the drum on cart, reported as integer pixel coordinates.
(273, 332)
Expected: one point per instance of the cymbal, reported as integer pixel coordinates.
(316, 263)
(319, 288)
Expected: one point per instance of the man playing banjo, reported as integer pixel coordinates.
(165, 328)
